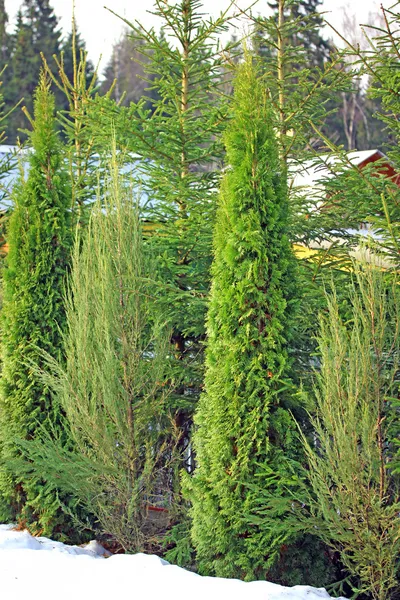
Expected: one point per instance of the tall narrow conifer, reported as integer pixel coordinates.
(177, 130)
(33, 311)
(241, 427)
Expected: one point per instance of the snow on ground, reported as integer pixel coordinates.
(38, 568)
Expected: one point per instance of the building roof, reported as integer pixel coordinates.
(311, 172)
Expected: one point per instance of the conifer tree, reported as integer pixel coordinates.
(353, 496)
(112, 385)
(33, 315)
(9, 92)
(301, 70)
(126, 68)
(307, 33)
(181, 150)
(4, 36)
(36, 31)
(75, 83)
(242, 428)
(74, 44)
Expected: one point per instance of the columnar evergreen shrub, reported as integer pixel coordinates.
(112, 386)
(243, 430)
(353, 496)
(33, 314)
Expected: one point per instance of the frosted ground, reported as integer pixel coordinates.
(38, 568)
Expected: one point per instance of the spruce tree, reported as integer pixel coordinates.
(307, 33)
(33, 315)
(179, 140)
(75, 83)
(36, 31)
(242, 428)
(73, 47)
(302, 73)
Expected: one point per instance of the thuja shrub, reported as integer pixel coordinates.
(242, 425)
(33, 315)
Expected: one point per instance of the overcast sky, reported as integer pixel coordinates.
(100, 28)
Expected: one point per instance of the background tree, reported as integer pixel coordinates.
(33, 314)
(4, 36)
(352, 121)
(307, 33)
(301, 70)
(360, 196)
(127, 68)
(243, 430)
(5, 47)
(36, 31)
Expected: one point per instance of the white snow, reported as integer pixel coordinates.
(38, 568)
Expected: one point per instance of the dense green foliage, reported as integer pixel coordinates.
(111, 386)
(354, 499)
(179, 141)
(33, 313)
(307, 33)
(101, 377)
(36, 33)
(243, 429)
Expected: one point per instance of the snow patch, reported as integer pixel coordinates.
(78, 573)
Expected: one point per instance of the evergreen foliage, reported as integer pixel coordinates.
(179, 141)
(243, 429)
(4, 36)
(72, 47)
(5, 47)
(381, 59)
(76, 85)
(307, 32)
(36, 31)
(354, 499)
(112, 387)
(370, 195)
(33, 313)
(300, 76)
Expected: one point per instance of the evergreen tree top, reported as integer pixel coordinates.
(40, 17)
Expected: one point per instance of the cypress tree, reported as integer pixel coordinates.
(33, 312)
(242, 429)
(112, 384)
